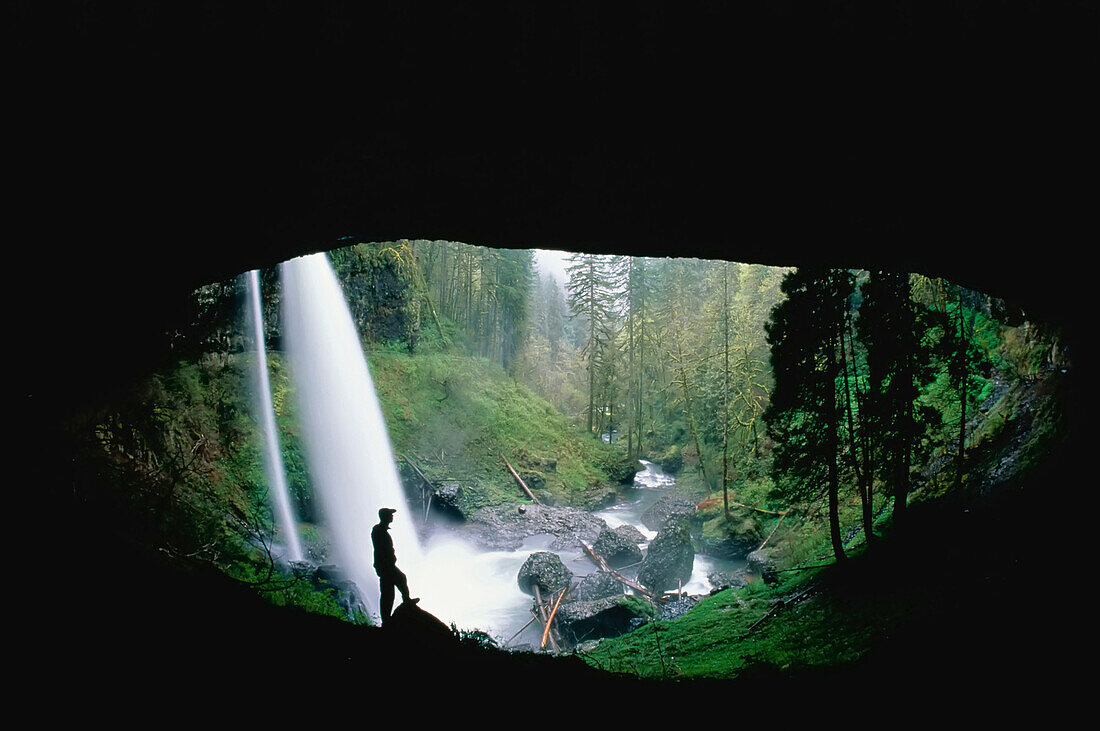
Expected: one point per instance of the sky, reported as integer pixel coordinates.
(552, 262)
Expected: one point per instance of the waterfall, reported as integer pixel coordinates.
(346, 443)
(273, 462)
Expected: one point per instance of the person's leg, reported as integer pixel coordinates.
(385, 583)
(402, 583)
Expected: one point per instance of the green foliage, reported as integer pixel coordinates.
(459, 417)
(284, 590)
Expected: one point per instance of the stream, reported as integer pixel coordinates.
(477, 589)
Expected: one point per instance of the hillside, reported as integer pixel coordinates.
(458, 418)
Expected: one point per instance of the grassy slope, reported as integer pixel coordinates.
(459, 417)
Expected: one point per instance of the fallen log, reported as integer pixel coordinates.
(759, 510)
(409, 462)
(544, 620)
(774, 529)
(653, 596)
(519, 480)
(426, 490)
(550, 621)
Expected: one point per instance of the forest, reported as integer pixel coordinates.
(808, 418)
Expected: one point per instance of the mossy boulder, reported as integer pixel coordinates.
(621, 468)
(672, 460)
(546, 571)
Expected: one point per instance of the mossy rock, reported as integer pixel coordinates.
(545, 570)
(672, 460)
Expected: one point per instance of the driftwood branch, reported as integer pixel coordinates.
(774, 529)
(532, 619)
(617, 576)
(780, 605)
(759, 510)
(519, 480)
(550, 620)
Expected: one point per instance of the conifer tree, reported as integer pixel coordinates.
(899, 367)
(591, 299)
(803, 417)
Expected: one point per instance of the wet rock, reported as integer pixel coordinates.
(678, 607)
(722, 580)
(735, 542)
(545, 570)
(631, 533)
(671, 461)
(533, 480)
(597, 585)
(621, 471)
(608, 617)
(504, 527)
(759, 561)
(447, 497)
(670, 558)
(328, 579)
(601, 498)
(617, 549)
(668, 506)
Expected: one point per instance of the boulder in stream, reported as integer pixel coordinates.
(609, 617)
(670, 558)
(759, 561)
(668, 506)
(597, 585)
(447, 497)
(617, 548)
(545, 570)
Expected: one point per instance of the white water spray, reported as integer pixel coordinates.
(276, 474)
(344, 434)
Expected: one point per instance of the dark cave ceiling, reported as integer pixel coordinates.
(160, 151)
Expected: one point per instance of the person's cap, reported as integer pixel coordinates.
(383, 512)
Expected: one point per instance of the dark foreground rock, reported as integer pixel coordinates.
(413, 621)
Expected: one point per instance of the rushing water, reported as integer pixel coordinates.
(346, 443)
(648, 487)
(273, 459)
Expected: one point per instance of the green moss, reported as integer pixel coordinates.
(460, 417)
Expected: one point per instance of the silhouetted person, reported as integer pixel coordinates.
(385, 564)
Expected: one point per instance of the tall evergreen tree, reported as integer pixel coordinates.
(803, 417)
(591, 299)
(513, 293)
(899, 367)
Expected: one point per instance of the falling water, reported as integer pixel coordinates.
(345, 438)
(276, 475)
